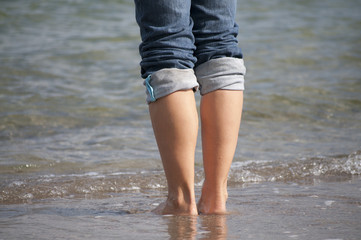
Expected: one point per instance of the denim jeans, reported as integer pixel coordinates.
(188, 44)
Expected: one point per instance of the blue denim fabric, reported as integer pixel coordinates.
(182, 35)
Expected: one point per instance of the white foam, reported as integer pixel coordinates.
(130, 188)
(16, 183)
(248, 162)
(122, 173)
(155, 186)
(28, 196)
(328, 203)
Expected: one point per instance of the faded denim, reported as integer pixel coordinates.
(188, 44)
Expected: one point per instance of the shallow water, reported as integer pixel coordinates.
(77, 148)
(323, 210)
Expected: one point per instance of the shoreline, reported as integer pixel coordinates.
(272, 210)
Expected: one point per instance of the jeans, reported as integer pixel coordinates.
(188, 44)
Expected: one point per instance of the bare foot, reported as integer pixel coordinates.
(212, 201)
(176, 208)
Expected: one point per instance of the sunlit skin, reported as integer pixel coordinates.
(175, 124)
(221, 113)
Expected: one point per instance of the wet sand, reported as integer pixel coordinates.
(325, 209)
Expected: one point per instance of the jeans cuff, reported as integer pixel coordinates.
(225, 73)
(169, 80)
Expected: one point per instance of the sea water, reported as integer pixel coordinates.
(77, 151)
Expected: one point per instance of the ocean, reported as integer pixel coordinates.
(78, 158)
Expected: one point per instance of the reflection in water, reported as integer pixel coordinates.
(182, 227)
(185, 227)
(214, 227)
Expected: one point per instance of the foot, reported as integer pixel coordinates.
(212, 201)
(175, 207)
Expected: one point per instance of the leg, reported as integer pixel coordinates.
(221, 116)
(167, 57)
(220, 72)
(175, 125)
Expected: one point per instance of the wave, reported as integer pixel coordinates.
(101, 185)
(296, 171)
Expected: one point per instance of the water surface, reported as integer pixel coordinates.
(75, 135)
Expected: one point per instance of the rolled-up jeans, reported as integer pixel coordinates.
(189, 44)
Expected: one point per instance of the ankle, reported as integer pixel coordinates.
(181, 197)
(180, 201)
(213, 199)
(181, 205)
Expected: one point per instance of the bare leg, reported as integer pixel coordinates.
(221, 112)
(175, 124)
